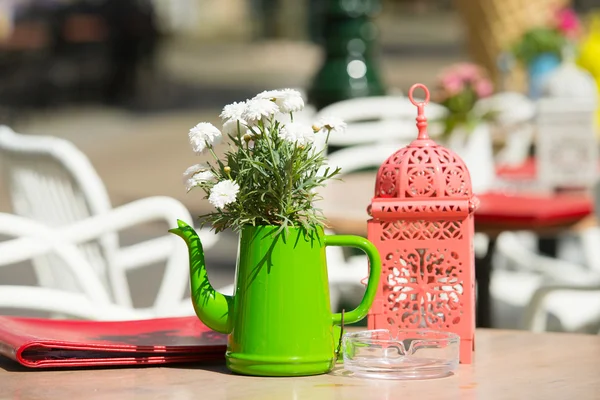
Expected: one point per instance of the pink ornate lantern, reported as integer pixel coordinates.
(422, 224)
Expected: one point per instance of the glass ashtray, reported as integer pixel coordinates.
(412, 354)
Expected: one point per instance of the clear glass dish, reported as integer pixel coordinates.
(412, 354)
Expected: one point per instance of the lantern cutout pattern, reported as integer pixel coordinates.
(422, 224)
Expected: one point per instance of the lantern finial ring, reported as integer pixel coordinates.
(412, 90)
(421, 119)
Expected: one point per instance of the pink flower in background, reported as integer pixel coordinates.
(568, 22)
(452, 84)
(459, 88)
(484, 88)
(468, 72)
(456, 79)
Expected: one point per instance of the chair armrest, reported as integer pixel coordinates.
(513, 250)
(45, 241)
(534, 316)
(152, 250)
(137, 212)
(359, 157)
(590, 238)
(123, 217)
(68, 303)
(169, 248)
(145, 210)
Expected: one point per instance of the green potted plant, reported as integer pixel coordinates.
(264, 187)
(540, 48)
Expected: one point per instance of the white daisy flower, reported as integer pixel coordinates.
(256, 109)
(195, 169)
(269, 95)
(196, 174)
(298, 133)
(196, 180)
(231, 127)
(233, 111)
(202, 135)
(332, 124)
(288, 100)
(223, 193)
(291, 101)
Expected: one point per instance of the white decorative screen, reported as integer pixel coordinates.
(566, 145)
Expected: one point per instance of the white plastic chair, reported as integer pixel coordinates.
(379, 119)
(90, 300)
(53, 184)
(544, 285)
(356, 158)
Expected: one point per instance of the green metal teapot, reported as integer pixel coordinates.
(279, 319)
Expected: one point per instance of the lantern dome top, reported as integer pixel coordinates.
(423, 169)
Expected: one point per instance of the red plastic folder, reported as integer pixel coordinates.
(46, 343)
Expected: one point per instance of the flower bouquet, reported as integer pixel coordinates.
(271, 169)
(459, 88)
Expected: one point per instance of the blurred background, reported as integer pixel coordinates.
(124, 81)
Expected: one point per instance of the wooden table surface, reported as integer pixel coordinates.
(509, 365)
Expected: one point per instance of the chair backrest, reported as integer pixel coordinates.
(357, 158)
(379, 119)
(52, 182)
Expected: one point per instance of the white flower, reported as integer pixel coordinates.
(233, 111)
(196, 174)
(202, 135)
(332, 124)
(298, 133)
(195, 169)
(269, 95)
(288, 100)
(223, 193)
(256, 109)
(198, 179)
(231, 127)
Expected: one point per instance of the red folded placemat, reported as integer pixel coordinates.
(45, 343)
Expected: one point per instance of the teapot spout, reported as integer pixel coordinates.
(213, 308)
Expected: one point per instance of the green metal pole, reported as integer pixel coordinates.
(349, 38)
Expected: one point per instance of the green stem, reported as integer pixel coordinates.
(210, 149)
(239, 131)
(289, 183)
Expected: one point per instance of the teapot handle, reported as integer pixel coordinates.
(365, 245)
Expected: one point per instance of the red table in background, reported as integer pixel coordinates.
(525, 171)
(546, 215)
